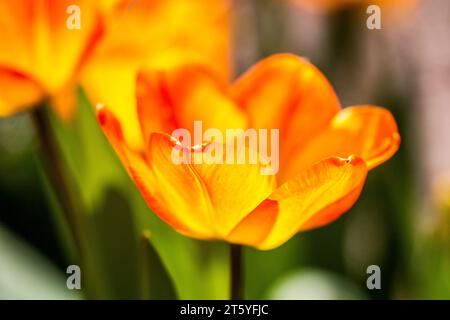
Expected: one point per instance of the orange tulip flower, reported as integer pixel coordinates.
(39, 54)
(325, 151)
(155, 33)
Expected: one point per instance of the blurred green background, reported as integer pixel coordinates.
(400, 223)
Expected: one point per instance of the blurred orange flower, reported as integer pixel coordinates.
(155, 33)
(39, 54)
(41, 57)
(325, 151)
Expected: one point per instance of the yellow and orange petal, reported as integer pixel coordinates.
(18, 92)
(287, 92)
(166, 101)
(36, 42)
(316, 196)
(367, 131)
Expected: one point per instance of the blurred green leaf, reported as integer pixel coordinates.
(112, 256)
(156, 282)
(25, 274)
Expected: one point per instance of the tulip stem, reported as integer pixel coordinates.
(237, 280)
(51, 159)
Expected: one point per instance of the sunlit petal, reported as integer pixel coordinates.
(315, 197)
(366, 131)
(288, 93)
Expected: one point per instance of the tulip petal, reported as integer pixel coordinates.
(177, 97)
(18, 92)
(234, 188)
(176, 192)
(288, 93)
(366, 131)
(313, 198)
(171, 191)
(154, 108)
(255, 227)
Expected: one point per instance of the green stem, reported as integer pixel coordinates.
(52, 161)
(236, 279)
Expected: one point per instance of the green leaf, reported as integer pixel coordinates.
(156, 282)
(112, 255)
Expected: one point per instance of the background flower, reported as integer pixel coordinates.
(39, 55)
